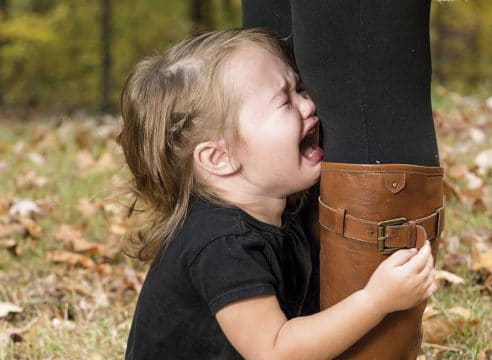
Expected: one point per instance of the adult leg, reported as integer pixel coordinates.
(366, 63)
(270, 14)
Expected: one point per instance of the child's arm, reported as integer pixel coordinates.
(258, 329)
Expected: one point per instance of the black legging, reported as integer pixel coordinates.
(366, 64)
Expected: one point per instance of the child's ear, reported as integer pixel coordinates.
(213, 158)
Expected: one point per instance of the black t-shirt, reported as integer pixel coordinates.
(221, 255)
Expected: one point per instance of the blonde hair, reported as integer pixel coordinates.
(170, 103)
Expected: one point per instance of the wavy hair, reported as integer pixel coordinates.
(170, 103)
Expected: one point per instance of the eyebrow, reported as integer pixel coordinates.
(286, 85)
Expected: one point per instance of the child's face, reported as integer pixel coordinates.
(277, 124)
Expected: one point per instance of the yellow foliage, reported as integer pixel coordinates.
(27, 27)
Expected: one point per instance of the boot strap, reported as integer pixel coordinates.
(389, 235)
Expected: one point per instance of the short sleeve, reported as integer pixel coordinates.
(233, 268)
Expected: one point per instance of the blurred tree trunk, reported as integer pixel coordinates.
(105, 102)
(3, 17)
(475, 49)
(201, 16)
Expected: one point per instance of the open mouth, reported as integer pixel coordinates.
(309, 146)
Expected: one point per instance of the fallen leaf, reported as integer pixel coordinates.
(32, 228)
(437, 330)
(36, 158)
(63, 324)
(484, 161)
(70, 258)
(461, 311)
(11, 246)
(474, 182)
(29, 179)
(453, 261)
(7, 308)
(86, 207)
(430, 311)
(74, 238)
(84, 160)
(485, 354)
(443, 275)
(457, 171)
(4, 203)
(24, 208)
(444, 324)
(477, 135)
(10, 230)
(118, 228)
(482, 260)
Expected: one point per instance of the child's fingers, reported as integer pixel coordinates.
(418, 262)
(430, 290)
(401, 257)
(429, 280)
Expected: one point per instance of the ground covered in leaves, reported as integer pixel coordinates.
(67, 292)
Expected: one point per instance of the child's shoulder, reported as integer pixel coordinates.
(208, 223)
(209, 220)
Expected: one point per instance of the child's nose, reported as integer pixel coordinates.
(307, 107)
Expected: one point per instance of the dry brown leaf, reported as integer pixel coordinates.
(473, 182)
(437, 330)
(84, 160)
(480, 241)
(485, 354)
(86, 207)
(430, 311)
(438, 327)
(73, 237)
(29, 179)
(32, 228)
(45, 141)
(457, 171)
(9, 230)
(453, 261)
(5, 201)
(104, 163)
(11, 246)
(443, 275)
(477, 135)
(70, 258)
(7, 308)
(87, 164)
(461, 311)
(118, 227)
(482, 260)
(14, 334)
(83, 138)
(103, 269)
(484, 161)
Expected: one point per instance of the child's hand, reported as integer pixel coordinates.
(403, 280)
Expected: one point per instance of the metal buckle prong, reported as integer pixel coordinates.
(382, 234)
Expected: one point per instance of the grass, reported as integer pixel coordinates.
(72, 312)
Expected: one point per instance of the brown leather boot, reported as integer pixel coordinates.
(366, 213)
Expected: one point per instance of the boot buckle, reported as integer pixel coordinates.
(382, 234)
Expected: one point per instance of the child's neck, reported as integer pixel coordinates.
(265, 209)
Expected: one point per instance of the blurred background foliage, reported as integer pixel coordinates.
(75, 54)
